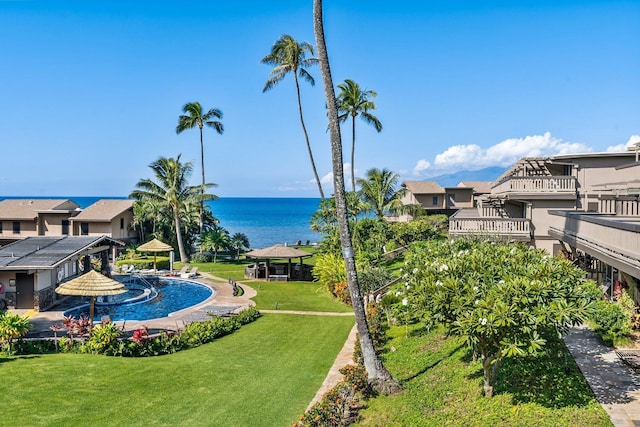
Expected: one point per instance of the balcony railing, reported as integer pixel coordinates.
(537, 184)
(516, 228)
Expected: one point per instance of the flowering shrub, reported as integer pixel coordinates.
(331, 411)
(503, 299)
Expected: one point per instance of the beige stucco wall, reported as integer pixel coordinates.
(463, 198)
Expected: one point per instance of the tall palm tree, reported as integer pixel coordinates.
(193, 117)
(290, 56)
(353, 101)
(378, 375)
(171, 190)
(379, 191)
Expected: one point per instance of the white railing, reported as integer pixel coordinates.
(512, 227)
(537, 184)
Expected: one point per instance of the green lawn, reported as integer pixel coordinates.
(443, 386)
(305, 296)
(263, 375)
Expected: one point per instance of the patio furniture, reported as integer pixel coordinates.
(182, 271)
(190, 275)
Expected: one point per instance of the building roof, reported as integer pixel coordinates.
(104, 210)
(28, 209)
(480, 187)
(423, 187)
(45, 252)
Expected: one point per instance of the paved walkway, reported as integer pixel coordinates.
(615, 384)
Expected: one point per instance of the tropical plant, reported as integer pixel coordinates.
(171, 191)
(379, 190)
(290, 56)
(239, 242)
(325, 218)
(353, 102)
(504, 300)
(12, 327)
(214, 240)
(378, 375)
(195, 117)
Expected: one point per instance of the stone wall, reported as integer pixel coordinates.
(44, 298)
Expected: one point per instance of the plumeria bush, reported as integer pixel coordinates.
(503, 299)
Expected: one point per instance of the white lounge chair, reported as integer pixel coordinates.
(190, 275)
(182, 271)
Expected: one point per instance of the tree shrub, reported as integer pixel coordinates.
(611, 321)
(371, 279)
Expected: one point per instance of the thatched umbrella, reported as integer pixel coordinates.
(91, 284)
(154, 246)
(278, 252)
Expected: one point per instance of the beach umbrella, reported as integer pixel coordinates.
(154, 246)
(278, 252)
(91, 284)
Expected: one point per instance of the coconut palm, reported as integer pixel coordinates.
(171, 191)
(214, 240)
(290, 56)
(194, 117)
(378, 375)
(379, 191)
(240, 242)
(353, 102)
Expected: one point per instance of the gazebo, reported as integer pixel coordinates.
(276, 252)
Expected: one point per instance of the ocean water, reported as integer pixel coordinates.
(265, 220)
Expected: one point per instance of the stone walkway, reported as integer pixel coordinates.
(615, 384)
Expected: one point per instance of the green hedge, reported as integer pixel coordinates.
(162, 263)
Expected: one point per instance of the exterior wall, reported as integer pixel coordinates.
(459, 198)
(27, 229)
(51, 225)
(426, 200)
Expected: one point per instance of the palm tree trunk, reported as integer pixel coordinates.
(353, 152)
(202, 190)
(378, 375)
(176, 218)
(306, 136)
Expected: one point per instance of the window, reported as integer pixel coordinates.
(65, 227)
(435, 201)
(84, 228)
(0, 227)
(121, 223)
(16, 227)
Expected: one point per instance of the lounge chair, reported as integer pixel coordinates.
(182, 271)
(190, 275)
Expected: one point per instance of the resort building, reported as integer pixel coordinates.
(583, 206)
(107, 217)
(435, 199)
(31, 268)
(20, 218)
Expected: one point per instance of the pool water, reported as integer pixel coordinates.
(173, 295)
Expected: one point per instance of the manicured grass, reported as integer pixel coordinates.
(304, 296)
(443, 386)
(224, 268)
(264, 374)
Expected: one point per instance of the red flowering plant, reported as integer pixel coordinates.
(140, 335)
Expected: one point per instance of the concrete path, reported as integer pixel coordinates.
(615, 384)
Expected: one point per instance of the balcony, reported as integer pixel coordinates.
(610, 238)
(543, 187)
(506, 228)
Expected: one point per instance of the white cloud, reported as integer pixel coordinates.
(346, 169)
(504, 153)
(421, 166)
(633, 139)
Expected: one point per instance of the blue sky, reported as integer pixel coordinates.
(90, 92)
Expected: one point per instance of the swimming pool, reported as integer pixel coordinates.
(172, 295)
